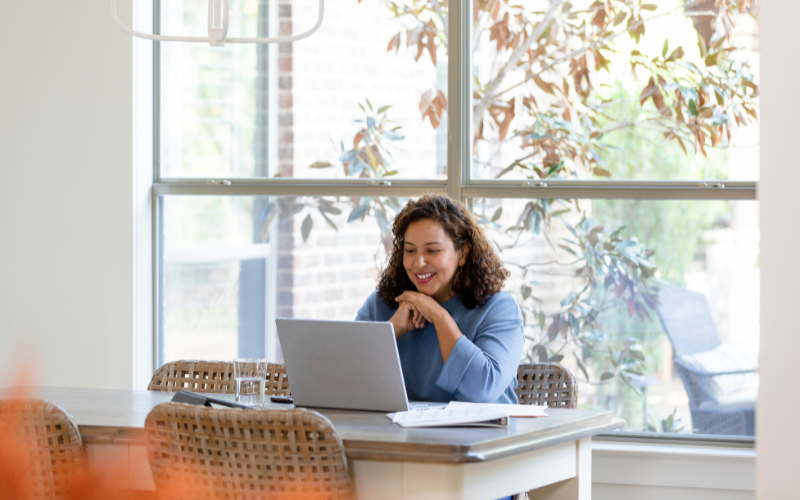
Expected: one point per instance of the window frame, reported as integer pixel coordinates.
(458, 185)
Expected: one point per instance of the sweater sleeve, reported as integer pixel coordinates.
(480, 370)
(368, 311)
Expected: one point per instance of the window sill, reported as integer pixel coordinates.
(625, 463)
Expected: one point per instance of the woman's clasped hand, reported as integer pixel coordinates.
(415, 310)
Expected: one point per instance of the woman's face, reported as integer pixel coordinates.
(430, 259)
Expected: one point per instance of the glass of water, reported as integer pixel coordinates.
(250, 376)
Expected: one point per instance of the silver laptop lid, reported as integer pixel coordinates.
(351, 365)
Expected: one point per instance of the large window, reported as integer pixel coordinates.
(609, 149)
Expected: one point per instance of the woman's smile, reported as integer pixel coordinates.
(424, 278)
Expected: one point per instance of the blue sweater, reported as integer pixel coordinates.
(482, 368)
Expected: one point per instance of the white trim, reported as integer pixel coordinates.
(777, 407)
(679, 466)
(142, 172)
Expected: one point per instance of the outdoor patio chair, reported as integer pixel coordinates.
(687, 320)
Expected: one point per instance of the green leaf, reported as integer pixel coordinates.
(541, 351)
(330, 222)
(321, 164)
(383, 223)
(292, 210)
(305, 228)
(692, 107)
(636, 353)
(497, 214)
(358, 212)
(329, 209)
(383, 108)
(536, 227)
(606, 376)
(561, 212)
(648, 6)
(556, 358)
(582, 367)
(676, 54)
(712, 59)
(665, 49)
(369, 104)
(701, 44)
(568, 249)
(574, 324)
(552, 332)
(601, 172)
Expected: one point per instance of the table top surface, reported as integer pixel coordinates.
(117, 416)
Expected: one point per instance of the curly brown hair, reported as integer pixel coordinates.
(482, 274)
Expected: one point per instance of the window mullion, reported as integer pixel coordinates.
(459, 82)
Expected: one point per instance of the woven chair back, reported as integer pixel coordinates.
(212, 377)
(251, 454)
(53, 450)
(546, 384)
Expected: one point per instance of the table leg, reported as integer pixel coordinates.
(577, 488)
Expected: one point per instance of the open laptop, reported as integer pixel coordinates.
(351, 365)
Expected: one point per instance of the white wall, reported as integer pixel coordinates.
(66, 209)
(778, 438)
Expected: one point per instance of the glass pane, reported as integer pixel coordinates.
(334, 105)
(615, 89)
(229, 265)
(640, 299)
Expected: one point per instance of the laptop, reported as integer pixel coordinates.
(351, 365)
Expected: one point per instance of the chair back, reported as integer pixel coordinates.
(212, 377)
(687, 320)
(546, 384)
(53, 449)
(246, 454)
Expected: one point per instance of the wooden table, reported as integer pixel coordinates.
(386, 461)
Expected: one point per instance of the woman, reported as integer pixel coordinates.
(459, 337)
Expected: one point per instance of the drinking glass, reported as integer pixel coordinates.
(250, 376)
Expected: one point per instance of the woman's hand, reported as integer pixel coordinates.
(406, 319)
(446, 328)
(426, 306)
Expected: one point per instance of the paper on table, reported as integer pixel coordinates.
(510, 410)
(493, 417)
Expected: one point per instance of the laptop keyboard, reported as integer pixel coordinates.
(422, 406)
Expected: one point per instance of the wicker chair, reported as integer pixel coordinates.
(211, 453)
(546, 384)
(212, 376)
(53, 450)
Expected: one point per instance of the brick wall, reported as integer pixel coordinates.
(321, 81)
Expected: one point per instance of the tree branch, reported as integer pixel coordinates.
(438, 8)
(511, 64)
(483, 23)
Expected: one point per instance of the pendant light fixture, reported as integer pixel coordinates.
(218, 17)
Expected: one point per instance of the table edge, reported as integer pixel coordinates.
(405, 452)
